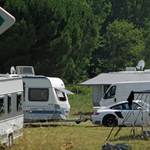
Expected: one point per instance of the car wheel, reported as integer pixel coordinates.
(110, 121)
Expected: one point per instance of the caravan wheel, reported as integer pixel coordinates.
(10, 140)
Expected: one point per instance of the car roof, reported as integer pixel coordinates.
(136, 101)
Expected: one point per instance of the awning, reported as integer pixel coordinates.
(110, 78)
(64, 90)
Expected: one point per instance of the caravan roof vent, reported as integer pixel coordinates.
(130, 69)
(25, 70)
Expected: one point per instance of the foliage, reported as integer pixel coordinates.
(132, 11)
(123, 46)
(56, 37)
(79, 89)
(135, 11)
(75, 40)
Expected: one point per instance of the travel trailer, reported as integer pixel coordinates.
(11, 112)
(103, 81)
(45, 98)
(120, 91)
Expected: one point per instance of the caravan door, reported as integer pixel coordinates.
(109, 97)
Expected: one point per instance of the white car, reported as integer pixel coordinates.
(123, 114)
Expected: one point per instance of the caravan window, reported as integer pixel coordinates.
(2, 110)
(38, 94)
(61, 95)
(9, 104)
(111, 93)
(19, 103)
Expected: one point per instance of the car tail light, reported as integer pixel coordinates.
(96, 113)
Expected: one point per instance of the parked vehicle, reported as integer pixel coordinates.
(11, 112)
(123, 114)
(45, 98)
(103, 81)
(120, 91)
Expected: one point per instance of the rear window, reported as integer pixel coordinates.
(125, 106)
(38, 94)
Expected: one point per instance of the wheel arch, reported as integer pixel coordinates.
(109, 115)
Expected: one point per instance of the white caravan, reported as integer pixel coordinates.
(11, 112)
(120, 91)
(45, 98)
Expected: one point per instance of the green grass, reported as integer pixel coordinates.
(85, 136)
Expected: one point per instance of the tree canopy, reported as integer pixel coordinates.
(75, 40)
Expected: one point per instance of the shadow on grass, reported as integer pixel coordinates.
(132, 137)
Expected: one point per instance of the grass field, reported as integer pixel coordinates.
(84, 136)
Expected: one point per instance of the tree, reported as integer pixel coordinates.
(56, 37)
(122, 47)
(135, 11)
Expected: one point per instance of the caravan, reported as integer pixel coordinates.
(11, 112)
(45, 98)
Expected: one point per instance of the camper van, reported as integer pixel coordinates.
(120, 91)
(11, 112)
(103, 81)
(45, 98)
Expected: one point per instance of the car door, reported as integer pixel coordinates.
(124, 113)
(110, 97)
(132, 114)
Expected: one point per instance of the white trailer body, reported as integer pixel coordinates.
(45, 99)
(120, 91)
(11, 112)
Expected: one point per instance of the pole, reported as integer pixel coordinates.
(77, 100)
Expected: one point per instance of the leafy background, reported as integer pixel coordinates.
(76, 40)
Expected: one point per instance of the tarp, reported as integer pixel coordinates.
(110, 78)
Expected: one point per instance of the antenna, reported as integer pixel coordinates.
(141, 65)
(12, 70)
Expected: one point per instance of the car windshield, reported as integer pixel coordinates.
(145, 105)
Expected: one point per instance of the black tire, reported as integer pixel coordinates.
(110, 121)
(77, 122)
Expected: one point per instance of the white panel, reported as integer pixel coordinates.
(97, 94)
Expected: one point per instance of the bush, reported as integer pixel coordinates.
(81, 89)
